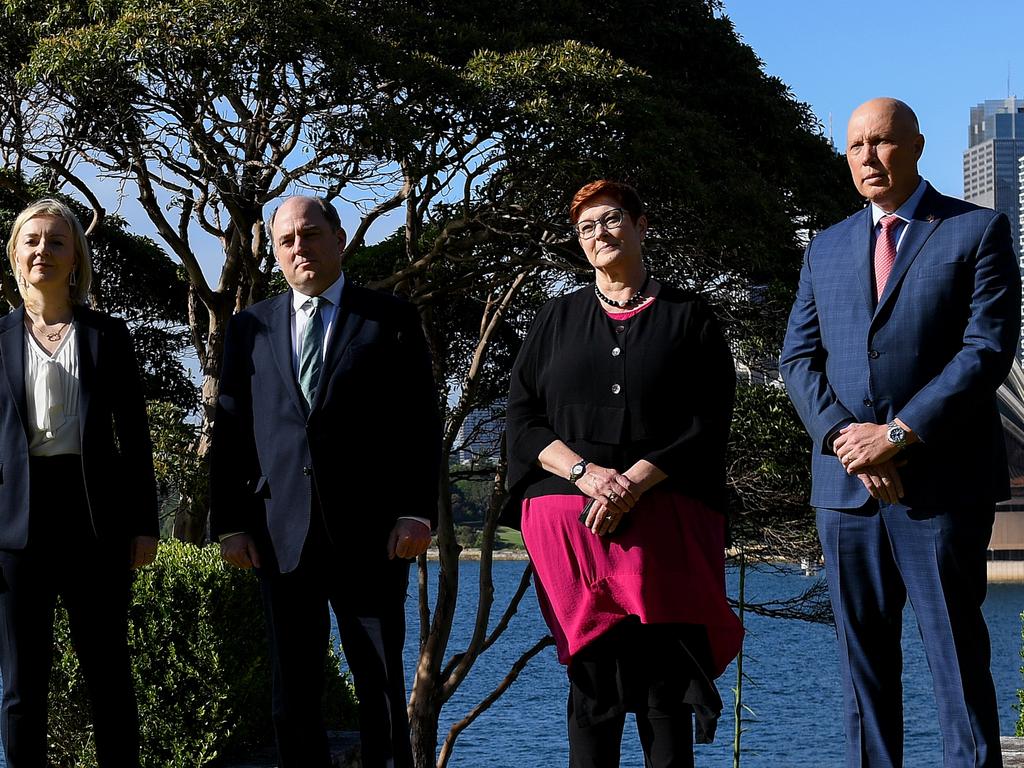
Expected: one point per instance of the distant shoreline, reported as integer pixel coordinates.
(473, 553)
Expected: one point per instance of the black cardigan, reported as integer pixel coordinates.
(666, 395)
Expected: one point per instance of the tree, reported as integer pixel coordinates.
(473, 121)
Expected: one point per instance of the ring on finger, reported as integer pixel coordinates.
(613, 497)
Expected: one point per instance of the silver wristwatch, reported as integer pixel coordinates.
(578, 470)
(896, 435)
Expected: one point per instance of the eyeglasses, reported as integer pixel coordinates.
(611, 220)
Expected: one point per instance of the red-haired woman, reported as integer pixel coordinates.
(618, 418)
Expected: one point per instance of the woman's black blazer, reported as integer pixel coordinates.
(117, 456)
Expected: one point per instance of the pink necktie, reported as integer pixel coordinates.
(885, 252)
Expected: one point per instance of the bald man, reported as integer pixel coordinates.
(905, 323)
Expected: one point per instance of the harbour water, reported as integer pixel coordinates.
(792, 690)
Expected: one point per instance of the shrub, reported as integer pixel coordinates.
(201, 667)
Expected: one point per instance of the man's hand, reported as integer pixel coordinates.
(862, 445)
(882, 481)
(143, 551)
(409, 538)
(240, 550)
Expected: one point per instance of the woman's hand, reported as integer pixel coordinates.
(601, 520)
(614, 495)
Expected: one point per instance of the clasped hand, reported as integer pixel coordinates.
(865, 451)
(614, 496)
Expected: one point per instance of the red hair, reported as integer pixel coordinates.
(623, 194)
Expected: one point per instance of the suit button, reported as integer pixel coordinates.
(616, 389)
(868, 402)
(620, 329)
(873, 354)
(616, 351)
(307, 471)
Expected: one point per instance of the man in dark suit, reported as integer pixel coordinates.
(324, 478)
(905, 324)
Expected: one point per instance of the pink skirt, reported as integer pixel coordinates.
(666, 567)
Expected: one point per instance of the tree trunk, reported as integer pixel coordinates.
(190, 519)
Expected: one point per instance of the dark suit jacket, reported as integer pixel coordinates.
(933, 351)
(117, 457)
(369, 446)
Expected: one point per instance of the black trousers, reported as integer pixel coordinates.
(93, 580)
(647, 669)
(370, 610)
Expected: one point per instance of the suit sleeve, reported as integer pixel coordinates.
(131, 426)
(989, 342)
(234, 466)
(703, 442)
(802, 365)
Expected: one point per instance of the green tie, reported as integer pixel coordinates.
(311, 352)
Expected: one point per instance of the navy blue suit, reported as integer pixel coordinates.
(932, 352)
(320, 490)
(66, 523)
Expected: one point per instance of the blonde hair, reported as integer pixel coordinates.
(83, 265)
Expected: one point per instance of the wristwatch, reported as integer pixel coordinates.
(896, 434)
(578, 470)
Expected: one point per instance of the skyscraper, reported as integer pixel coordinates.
(992, 170)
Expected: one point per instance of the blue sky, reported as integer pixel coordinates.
(940, 56)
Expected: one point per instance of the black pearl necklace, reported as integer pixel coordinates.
(635, 300)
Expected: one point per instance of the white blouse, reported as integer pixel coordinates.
(51, 391)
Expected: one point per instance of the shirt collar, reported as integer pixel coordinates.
(905, 211)
(332, 294)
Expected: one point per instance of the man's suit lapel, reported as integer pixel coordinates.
(347, 321)
(280, 332)
(861, 246)
(88, 340)
(919, 229)
(12, 356)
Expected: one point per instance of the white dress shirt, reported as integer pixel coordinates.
(301, 309)
(903, 213)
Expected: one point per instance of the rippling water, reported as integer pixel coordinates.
(793, 691)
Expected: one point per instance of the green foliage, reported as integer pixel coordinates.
(770, 474)
(181, 473)
(470, 498)
(201, 668)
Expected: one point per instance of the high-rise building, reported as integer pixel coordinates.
(992, 170)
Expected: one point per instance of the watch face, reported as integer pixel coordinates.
(897, 435)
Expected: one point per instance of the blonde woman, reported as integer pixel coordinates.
(77, 494)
